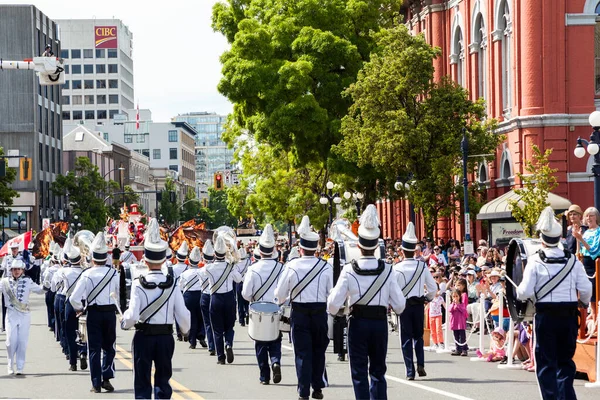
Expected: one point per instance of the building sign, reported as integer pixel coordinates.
(503, 232)
(105, 37)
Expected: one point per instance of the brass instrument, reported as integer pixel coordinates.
(83, 240)
(232, 255)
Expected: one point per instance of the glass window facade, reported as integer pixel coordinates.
(172, 136)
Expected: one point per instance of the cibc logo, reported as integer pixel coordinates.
(105, 37)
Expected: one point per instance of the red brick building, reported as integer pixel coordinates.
(536, 63)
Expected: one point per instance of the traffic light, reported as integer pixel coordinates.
(25, 169)
(218, 181)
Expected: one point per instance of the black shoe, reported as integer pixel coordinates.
(179, 338)
(95, 390)
(212, 352)
(247, 319)
(244, 324)
(264, 382)
(66, 355)
(221, 362)
(107, 386)
(421, 370)
(317, 394)
(203, 343)
(342, 358)
(455, 353)
(83, 363)
(276, 373)
(73, 367)
(192, 346)
(229, 352)
(302, 398)
(185, 338)
(410, 378)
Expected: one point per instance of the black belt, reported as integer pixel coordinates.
(108, 307)
(415, 301)
(369, 312)
(568, 309)
(315, 308)
(154, 329)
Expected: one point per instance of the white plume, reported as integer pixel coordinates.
(369, 219)
(68, 245)
(304, 226)
(153, 231)
(546, 220)
(410, 232)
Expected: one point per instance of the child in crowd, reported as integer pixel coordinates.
(496, 352)
(435, 320)
(458, 323)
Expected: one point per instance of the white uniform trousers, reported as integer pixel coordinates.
(17, 336)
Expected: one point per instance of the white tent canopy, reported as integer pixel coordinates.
(500, 209)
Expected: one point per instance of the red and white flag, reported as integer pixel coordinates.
(137, 118)
(22, 240)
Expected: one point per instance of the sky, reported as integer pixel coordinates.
(175, 51)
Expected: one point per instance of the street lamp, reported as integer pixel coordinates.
(465, 151)
(330, 198)
(593, 150)
(75, 225)
(19, 220)
(357, 196)
(405, 187)
(114, 169)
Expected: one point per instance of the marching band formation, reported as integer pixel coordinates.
(84, 300)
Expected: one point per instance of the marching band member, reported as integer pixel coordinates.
(57, 286)
(371, 285)
(221, 275)
(259, 285)
(95, 287)
(191, 286)
(5, 270)
(32, 266)
(413, 276)
(208, 255)
(16, 289)
(47, 282)
(306, 282)
(181, 255)
(128, 258)
(242, 304)
(70, 278)
(554, 278)
(256, 254)
(156, 303)
(294, 253)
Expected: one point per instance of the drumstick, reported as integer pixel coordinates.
(511, 281)
(114, 296)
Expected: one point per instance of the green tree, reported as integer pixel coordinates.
(85, 188)
(217, 210)
(536, 184)
(167, 208)
(191, 206)
(129, 197)
(7, 193)
(402, 122)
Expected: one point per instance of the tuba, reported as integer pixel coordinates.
(232, 255)
(83, 240)
(341, 229)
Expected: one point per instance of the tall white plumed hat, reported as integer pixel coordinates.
(99, 248)
(243, 253)
(66, 248)
(368, 231)
(220, 248)
(309, 240)
(266, 242)
(409, 239)
(155, 249)
(256, 253)
(208, 252)
(182, 252)
(195, 256)
(74, 255)
(550, 229)
(294, 253)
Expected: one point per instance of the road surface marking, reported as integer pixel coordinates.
(182, 392)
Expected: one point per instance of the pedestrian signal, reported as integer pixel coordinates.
(25, 169)
(218, 181)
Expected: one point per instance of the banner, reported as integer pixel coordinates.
(22, 240)
(105, 37)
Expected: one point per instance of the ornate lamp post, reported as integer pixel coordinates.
(19, 220)
(593, 149)
(357, 200)
(400, 186)
(330, 198)
(75, 225)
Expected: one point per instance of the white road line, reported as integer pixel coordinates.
(413, 384)
(427, 388)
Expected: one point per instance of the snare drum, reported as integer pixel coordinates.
(519, 250)
(285, 324)
(263, 323)
(82, 331)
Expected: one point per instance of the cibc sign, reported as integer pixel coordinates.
(105, 37)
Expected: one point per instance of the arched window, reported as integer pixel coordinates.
(504, 29)
(482, 173)
(458, 56)
(506, 165)
(480, 43)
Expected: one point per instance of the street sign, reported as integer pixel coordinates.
(14, 161)
(469, 248)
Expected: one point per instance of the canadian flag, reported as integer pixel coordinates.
(137, 118)
(22, 240)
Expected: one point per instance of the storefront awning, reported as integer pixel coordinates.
(499, 208)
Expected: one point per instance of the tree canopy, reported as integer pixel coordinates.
(166, 207)
(86, 190)
(404, 123)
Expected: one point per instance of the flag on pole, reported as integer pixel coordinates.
(22, 240)
(137, 118)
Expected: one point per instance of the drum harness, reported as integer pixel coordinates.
(361, 309)
(269, 282)
(168, 287)
(569, 262)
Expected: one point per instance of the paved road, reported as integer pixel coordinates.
(197, 376)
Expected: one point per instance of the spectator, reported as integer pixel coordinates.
(496, 352)
(419, 254)
(435, 320)
(437, 259)
(590, 246)
(574, 215)
(454, 252)
(48, 51)
(458, 324)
